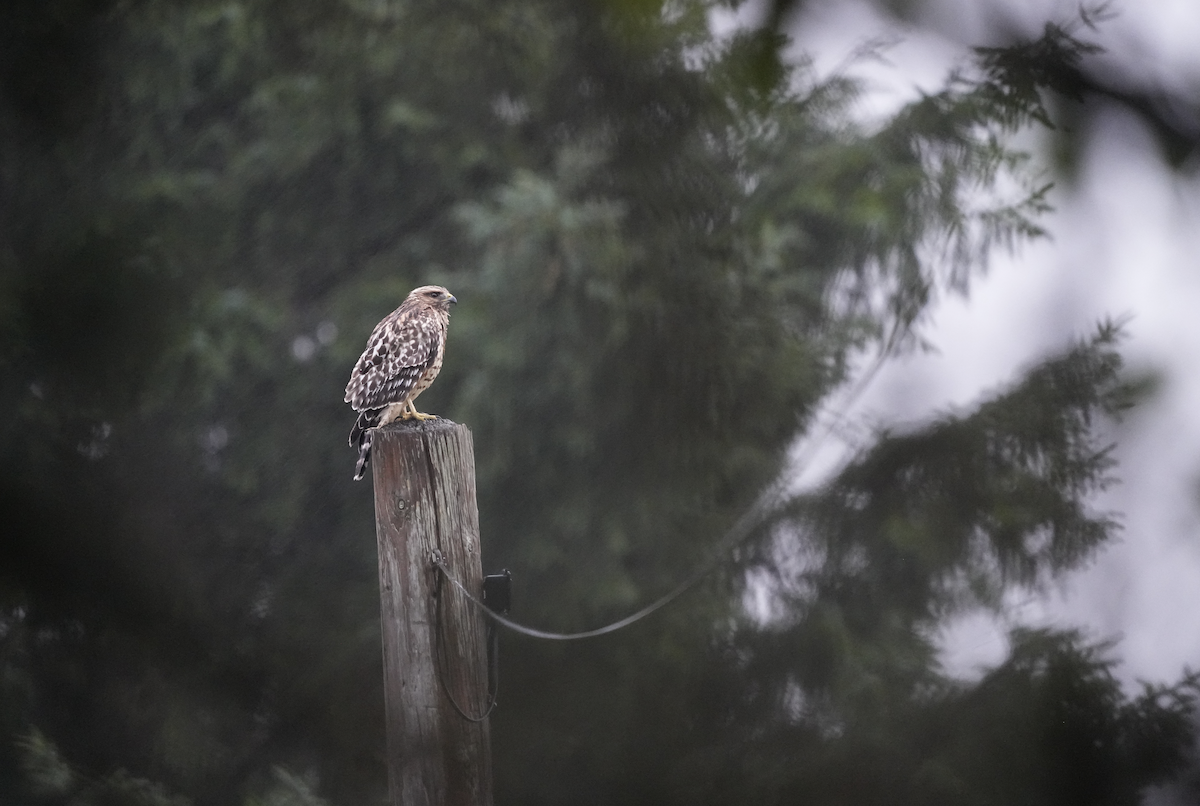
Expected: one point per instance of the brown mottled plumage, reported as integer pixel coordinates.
(403, 356)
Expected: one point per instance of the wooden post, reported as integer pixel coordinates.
(424, 501)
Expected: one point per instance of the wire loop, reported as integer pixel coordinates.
(439, 653)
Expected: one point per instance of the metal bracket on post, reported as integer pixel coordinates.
(497, 591)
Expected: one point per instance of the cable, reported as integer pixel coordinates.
(736, 534)
(768, 502)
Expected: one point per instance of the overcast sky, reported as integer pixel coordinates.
(1126, 241)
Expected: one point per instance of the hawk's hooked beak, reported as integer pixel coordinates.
(453, 299)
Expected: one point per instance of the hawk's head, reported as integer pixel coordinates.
(432, 295)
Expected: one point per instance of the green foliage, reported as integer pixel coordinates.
(1050, 725)
(920, 526)
(289, 790)
(668, 252)
(51, 780)
(996, 497)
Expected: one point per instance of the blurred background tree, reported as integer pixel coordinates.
(670, 250)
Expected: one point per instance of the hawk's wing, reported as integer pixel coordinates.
(398, 352)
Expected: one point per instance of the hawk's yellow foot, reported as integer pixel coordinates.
(411, 413)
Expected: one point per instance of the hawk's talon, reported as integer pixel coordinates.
(410, 413)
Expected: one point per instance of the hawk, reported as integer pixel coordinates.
(403, 356)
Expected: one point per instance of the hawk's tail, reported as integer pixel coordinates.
(360, 437)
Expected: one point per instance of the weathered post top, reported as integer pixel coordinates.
(434, 643)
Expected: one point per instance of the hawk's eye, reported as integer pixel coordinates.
(435, 294)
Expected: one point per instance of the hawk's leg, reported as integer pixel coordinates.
(410, 413)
